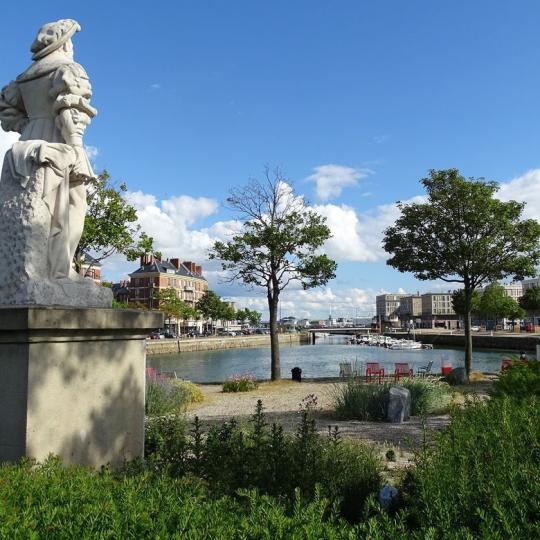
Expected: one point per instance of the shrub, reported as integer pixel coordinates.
(369, 401)
(361, 401)
(51, 501)
(260, 456)
(428, 396)
(163, 396)
(241, 383)
(482, 477)
(192, 392)
(519, 380)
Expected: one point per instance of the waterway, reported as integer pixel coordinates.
(319, 360)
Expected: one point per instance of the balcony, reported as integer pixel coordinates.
(187, 288)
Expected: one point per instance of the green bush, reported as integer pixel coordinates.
(519, 380)
(163, 396)
(428, 396)
(193, 393)
(260, 456)
(240, 383)
(51, 502)
(369, 401)
(482, 476)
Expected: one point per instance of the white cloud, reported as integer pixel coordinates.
(379, 139)
(524, 188)
(7, 138)
(92, 152)
(358, 236)
(331, 179)
(315, 303)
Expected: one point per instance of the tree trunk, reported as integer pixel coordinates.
(273, 301)
(468, 335)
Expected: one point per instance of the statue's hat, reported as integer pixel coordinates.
(52, 36)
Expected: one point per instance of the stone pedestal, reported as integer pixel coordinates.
(72, 383)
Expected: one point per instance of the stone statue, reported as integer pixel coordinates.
(44, 176)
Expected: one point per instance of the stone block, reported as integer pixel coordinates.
(399, 404)
(73, 383)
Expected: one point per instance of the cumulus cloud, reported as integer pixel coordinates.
(331, 179)
(315, 303)
(7, 138)
(358, 236)
(524, 188)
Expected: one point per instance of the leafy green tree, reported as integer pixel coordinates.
(246, 314)
(463, 234)
(530, 301)
(172, 306)
(212, 307)
(459, 303)
(110, 224)
(279, 243)
(495, 304)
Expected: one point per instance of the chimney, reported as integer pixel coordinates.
(190, 266)
(146, 259)
(175, 263)
(198, 270)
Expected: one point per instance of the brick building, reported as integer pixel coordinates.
(153, 275)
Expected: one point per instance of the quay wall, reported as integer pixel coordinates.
(176, 346)
(518, 342)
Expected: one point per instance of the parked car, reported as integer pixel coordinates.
(157, 334)
(169, 335)
(475, 328)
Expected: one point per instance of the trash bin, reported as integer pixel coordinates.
(446, 367)
(296, 374)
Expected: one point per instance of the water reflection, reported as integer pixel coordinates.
(319, 360)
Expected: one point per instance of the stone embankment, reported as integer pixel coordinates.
(515, 342)
(174, 346)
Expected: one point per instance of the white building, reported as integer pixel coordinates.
(528, 283)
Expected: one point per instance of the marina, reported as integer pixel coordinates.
(321, 360)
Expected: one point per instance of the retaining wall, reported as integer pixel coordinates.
(173, 346)
(483, 341)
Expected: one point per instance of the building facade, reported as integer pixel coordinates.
(513, 290)
(387, 306)
(438, 312)
(528, 283)
(155, 275)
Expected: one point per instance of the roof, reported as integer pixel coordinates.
(88, 259)
(165, 267)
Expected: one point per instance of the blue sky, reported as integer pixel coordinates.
(363, 97)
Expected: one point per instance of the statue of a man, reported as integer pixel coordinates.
(49, 105)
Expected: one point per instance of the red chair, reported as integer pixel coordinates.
(402, 370)
(372, 369)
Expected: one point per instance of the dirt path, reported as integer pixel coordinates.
(281, 403)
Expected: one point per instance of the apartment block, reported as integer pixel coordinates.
(438, 312)
(154, 275)
(387, 305)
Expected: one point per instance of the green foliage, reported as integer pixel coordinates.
(212, 307)
(192, 392)
(110, 225)
(520, 380)
(172, 306)
(463, 234)
(495, 304)
(368, 401)
(50, 501)
(459, 302)
(164, 396)
(481, 479)
(240, 383)
(117, 304)
(253, 317)
(530, 301)
(260, 456)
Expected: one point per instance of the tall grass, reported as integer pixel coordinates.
(170, 396)
(369, 401)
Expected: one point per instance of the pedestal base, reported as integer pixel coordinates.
(72, 383)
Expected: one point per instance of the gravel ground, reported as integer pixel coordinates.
(281, 403)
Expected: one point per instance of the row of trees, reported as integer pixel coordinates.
(209, 308)
(492, 304)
